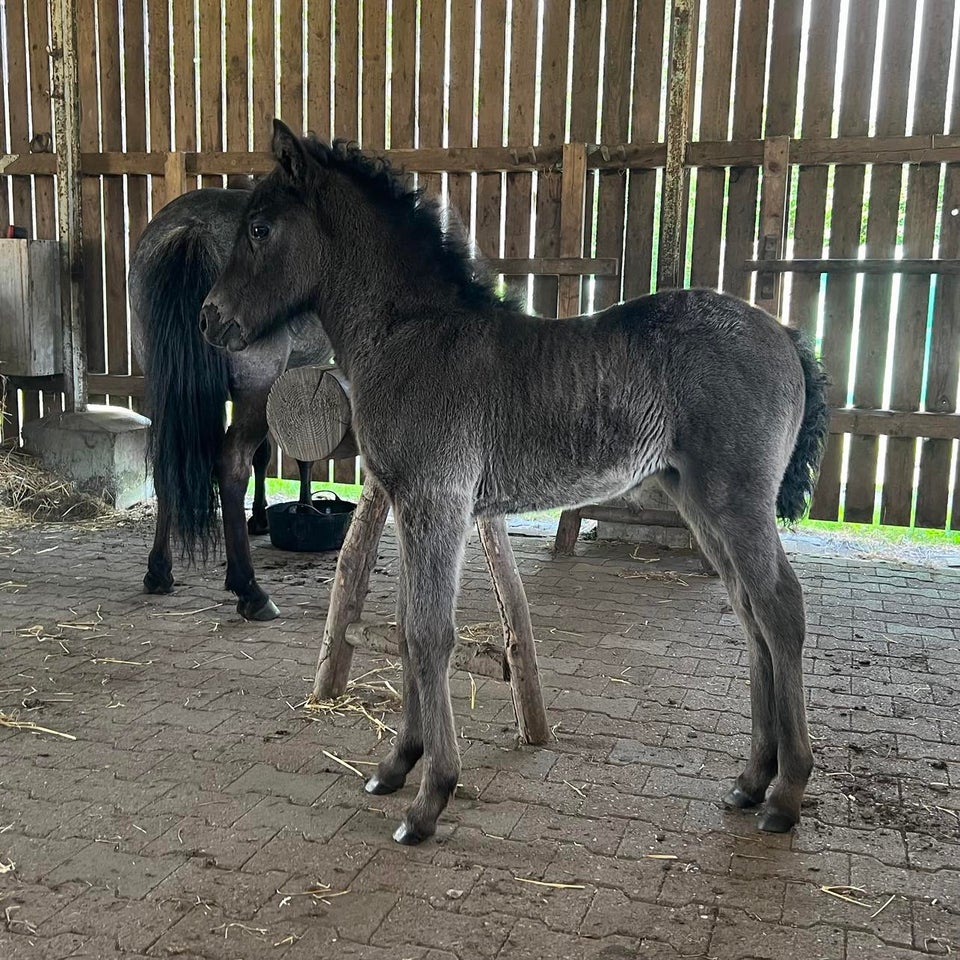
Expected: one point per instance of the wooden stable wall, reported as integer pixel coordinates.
(479, 97)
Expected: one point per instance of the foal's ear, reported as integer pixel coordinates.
(288, 150)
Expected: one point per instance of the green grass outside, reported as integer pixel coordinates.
(278, 490)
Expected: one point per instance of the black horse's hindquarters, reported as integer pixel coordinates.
(175, 263)
(696, 384)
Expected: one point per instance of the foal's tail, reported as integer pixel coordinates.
(187, 387)
(801, 475)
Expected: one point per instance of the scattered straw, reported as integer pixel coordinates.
(886, 903)
(130, 663)
(843, 893)
(257, 933)
(343, 763)
(12, 722)
(552, 886)
(28, 492)
(660, 856)
(7, 867)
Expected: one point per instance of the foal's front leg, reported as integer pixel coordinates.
(431, 537)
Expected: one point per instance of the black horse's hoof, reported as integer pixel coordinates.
(738, 799)
(257, 526)
(158, 583)
(264, 611)
(776, 821)
(409, 837)
(380, 787)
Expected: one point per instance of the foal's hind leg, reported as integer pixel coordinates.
(159, 576)
(432, 535)
(257, 524)
(767, 598)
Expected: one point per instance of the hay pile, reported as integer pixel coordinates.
(29, 492)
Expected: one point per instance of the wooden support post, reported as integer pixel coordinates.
(351, 580)
(572, 198)
(520, 655)
(66, 95)
(174, 175)
(773, 202)
(670, 262)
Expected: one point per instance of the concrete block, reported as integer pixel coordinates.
(102, 451)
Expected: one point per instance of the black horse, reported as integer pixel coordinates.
(465, 406)
(176, 261)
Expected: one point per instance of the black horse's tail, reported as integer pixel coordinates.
(187, 388)
(798, 482)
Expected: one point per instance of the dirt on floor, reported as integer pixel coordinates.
(164, 791)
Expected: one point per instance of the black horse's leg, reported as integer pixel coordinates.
(257, 524)
(159, 576)
(408, 749)
(245, 435)
(431, 534)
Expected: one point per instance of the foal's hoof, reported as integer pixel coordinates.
(157, 582)
(257, 526)
(266, 610)
(776, 821)
(380, 787)
(409, 837)
(738, 799)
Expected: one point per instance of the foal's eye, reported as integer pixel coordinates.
(259, 231)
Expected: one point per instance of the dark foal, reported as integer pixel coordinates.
(192, 452)
(465, 406)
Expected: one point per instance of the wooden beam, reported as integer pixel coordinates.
(115, 385)
(573, 192)
(674, 199)
(896, 423)
(836, 265)
(66, 94)
(773, 202)
(519, 653)
(555, 266)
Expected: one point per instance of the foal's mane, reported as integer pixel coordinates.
(442, 237)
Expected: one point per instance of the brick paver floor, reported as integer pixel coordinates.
(198, 810)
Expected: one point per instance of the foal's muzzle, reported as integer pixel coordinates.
(218, 332)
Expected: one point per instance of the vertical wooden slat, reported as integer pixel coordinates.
(846, 215)
(430, 114)
(584, 109)
(262, 107)
(403, 90)
(346, 124)
(135, 108)
(114, 213)
(460, 117)
(4, 205)
(572, 220)
(318, 67)
(615, 129)
(42, 122)
(553, 116)
(92, 234)
(923, 181)
(642, 184)
(18, 122)
(374, 74)
(291, 63)
(159, 77)
(882, 220)
(211, 101)
(519, 186)
(490, 121)
(773, 202)
(346, 75)
(714, 120)
(747, 119)
(812, 181)
(235, 15)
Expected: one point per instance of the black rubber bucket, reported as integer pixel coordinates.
(310, 527)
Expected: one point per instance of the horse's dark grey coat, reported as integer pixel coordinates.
(464, 406)
(176, 262)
